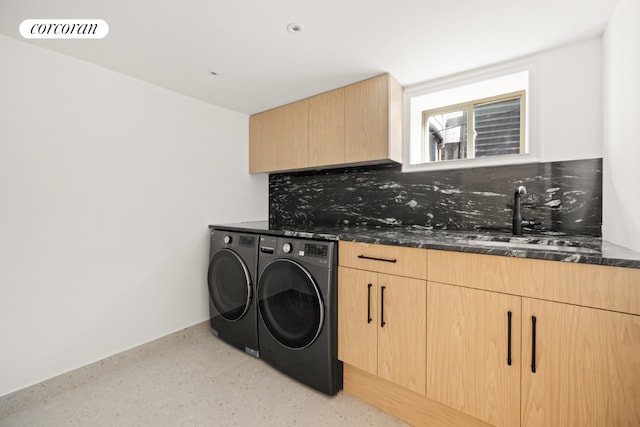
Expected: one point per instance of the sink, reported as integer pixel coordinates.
(531, 246)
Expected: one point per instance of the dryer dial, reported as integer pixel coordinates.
(227, 239)
(286, 247)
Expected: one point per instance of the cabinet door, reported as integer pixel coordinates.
(367, 120)
(292, 145)
(358, 319)
(326, 128)
(402, 331)
(587, 366)
(468, 364)
(262, 141)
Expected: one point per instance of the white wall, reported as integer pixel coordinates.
(570, 106)
(107, 185)
(621, 198)
(565, 98)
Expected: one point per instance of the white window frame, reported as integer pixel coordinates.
(469, 107)
(465, 88)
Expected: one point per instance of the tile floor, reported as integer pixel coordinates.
(188, 378)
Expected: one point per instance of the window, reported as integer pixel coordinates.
(482, 128)
(484, 121)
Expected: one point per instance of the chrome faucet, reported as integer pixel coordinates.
(517, 214)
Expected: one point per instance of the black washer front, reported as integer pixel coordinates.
(290, 304)
(229, 285)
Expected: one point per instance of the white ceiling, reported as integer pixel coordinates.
(260, 65)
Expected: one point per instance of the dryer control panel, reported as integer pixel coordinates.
(311, 251)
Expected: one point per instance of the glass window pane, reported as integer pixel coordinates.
(447, 136)
(497, 128)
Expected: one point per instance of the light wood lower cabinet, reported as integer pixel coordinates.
(473, 352)
(358, 318)
(586, 363)
(381, 327)
(587, 366)
(579, 366)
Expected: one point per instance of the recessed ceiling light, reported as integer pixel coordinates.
(294, 28)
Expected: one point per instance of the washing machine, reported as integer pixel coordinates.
(233, 264)
(298, 311)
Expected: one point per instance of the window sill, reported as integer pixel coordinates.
(515, 159)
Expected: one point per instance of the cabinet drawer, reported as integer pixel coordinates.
(609, 288)
(397, 260)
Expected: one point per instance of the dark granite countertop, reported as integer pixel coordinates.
(578, 249)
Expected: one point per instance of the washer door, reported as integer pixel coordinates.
(290, 304)
(229, 284)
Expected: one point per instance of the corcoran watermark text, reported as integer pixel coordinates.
(64, 29)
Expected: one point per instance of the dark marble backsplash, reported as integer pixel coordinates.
(562, 197)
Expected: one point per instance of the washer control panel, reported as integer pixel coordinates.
(316, 250)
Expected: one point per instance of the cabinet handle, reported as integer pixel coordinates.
(509, 338)
(533, 344)
(369, 319)
(377, 259)
(382, 307)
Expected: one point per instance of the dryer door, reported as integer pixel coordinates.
(229, 284)
(290, 304)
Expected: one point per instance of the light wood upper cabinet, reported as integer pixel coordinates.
(473, 352)
(359, 123)
(587, 366)
(326, 129)
(292, 144)
(263, 139)
(279, 138)
(373, 120)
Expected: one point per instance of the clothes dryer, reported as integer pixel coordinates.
(233, 261)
